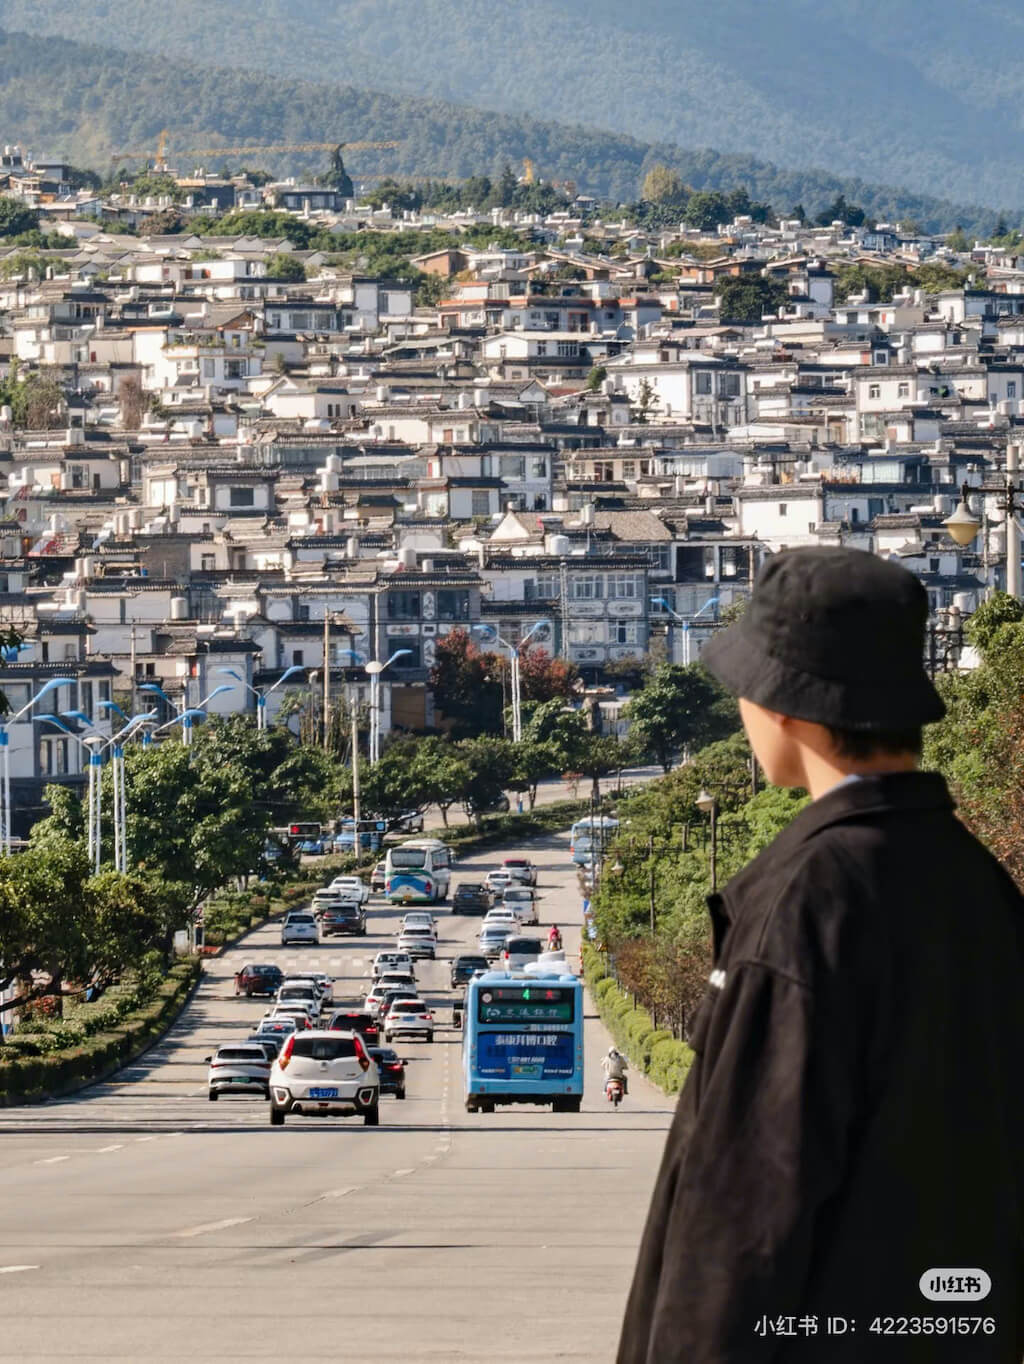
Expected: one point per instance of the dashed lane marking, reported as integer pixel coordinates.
(399, 1173)
(211, 1226)
(16, 1269)
(102, 1150)
(51, 1160)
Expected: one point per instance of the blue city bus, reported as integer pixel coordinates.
(522, 1041)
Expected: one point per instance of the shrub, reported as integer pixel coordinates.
(653, 1051)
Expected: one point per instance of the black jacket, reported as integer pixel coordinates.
(853, 1117)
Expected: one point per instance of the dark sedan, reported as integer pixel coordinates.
(390, 1069)
(355, 1020)
(466, 966)
(471, 897)
(343, 919)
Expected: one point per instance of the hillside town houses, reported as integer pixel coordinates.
(237, 469)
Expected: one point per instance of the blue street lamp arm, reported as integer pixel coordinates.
(158, 691)
(112, 705)
(288, 672)
(53, 683)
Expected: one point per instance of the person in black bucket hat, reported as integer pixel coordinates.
(844, 1177)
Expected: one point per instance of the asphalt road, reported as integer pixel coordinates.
(138, 1221)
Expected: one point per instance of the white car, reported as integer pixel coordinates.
(350, 888)
(299, 926)
(325, 982)
(523, 900)
(238, 1068)
(392, 961)
(381, 997)
(496, 881)
(418, 942)
(501, 915)
(300, 1012)
(409, 1016)
(324, 1074)
(301, 992)
(418, 918)
(492, 939)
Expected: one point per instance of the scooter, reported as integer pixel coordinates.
(613, 1090)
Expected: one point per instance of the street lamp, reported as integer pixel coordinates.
(685, 622)
(375, 668)
(261, 696)
(708, 805)
(5, 758)
(186, 714)
(513, 653)
(963, 525)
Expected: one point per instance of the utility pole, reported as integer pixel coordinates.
(650, 888)
(327, 677)
(355, 768)
(1013, 573)
(131, 675)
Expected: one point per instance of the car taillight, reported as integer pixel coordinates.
(361, 1056)
(286, 1052)
(394, 1065)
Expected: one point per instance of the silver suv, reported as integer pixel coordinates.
(324, 1074)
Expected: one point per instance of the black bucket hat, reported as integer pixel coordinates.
(835, 636)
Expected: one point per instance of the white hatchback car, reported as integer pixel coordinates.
(392, 961)
(297, 1010)
(502, 915)
(299, 926)
(523, 900)
(324, 1074)
(301, 992)
(409, 1016)
(238, 1068)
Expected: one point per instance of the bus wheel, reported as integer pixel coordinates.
(470, 1108)
(486, 1108)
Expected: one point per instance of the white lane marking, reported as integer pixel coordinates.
(211, 1226)
(145, 1138)
(339, 1193)
(103, 1149)
(399, 1173)
(51, 1160)
(16, 1269)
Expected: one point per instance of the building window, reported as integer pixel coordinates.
(298, 656)
(539, 468)
(587, 588)
(207, 562)
(568, 350)
(629, 468)
(585, 633)
(512, 466)
(1011, 388)
(243, 497)
(623, 587)
(783, 508)
(542, 349)
(702, 382)
(904, 390)
(730, 386)
(452, 605)
(209, 369)
(403, 606)
(624, 632)
(480, 504)
(874, 390)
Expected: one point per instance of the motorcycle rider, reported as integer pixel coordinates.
(554, 939)
(615, 1067)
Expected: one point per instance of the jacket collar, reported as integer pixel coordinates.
(890, 793)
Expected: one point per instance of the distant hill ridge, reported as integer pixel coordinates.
(885, 90)
(65, 98)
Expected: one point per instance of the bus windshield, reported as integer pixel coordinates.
(408, 857)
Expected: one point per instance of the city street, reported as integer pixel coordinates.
(141, 1221)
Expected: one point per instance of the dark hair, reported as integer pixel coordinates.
(862, 744)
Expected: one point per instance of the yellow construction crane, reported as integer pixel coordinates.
(529, 171)
(159, 158)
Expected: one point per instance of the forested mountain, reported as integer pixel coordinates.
(63, 98)
(931, 98)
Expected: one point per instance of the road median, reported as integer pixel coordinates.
(654, 1051)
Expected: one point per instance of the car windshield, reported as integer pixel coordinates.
(408, 1006)
(513, 894)
(241, 1054)
(324, 1048)
(300, 919)
(262, 970)
(384, 1054)
(349, 1020)
(416, 932)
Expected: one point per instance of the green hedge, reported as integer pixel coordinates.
(24, 1077)
(652, 1050)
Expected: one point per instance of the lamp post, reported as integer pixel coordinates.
(685, 622)
(513, 655)
(186, 714)
(261, 696)
(375, 668)
(708, 805)
(5, 757)
(964, 525)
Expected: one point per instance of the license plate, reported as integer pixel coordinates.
(323, 1093)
